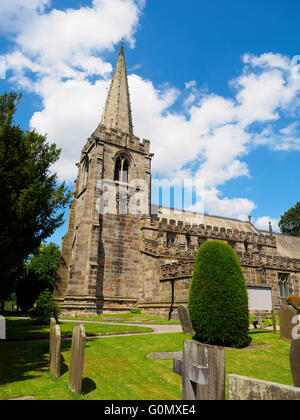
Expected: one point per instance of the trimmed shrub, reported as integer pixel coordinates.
(135, 311)
(45, 308)
(218, 298)
(294, 301)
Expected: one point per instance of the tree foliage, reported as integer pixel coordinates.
(32, 202)
(218, 299)
(46, 308)
(290, 221)
(39, 274)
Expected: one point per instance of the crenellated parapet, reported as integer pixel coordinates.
(176, 270)
(184, 269)
(269, 261)
(123, 139)
(157, 232)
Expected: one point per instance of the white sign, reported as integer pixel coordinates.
(2, 328)
(260, 299)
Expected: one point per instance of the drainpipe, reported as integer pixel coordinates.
(173, 298)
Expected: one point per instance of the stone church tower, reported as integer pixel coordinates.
(100, 260)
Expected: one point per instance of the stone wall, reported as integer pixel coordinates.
(173, 246)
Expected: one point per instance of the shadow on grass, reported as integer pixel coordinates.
(23, 362)
(88, 385)
(252, 332)
(27, 361)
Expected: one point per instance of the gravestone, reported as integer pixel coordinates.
(287, 318)
(2, 328)
(295, 362)
(241, 388)
(55, 348)
(77, 358)
(203, 372)
(185, 320)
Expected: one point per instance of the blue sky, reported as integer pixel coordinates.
(222, 90)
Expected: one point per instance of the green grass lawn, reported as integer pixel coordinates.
(117, 368)
(20, 329)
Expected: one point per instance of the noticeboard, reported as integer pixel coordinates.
(260, 298)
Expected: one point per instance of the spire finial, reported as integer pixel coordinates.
(122, 46)
(270, 227)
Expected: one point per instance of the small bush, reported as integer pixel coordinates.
(218, 299)
(45, 308)
(135, 311)
(294, 301)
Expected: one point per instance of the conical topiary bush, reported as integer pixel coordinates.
(218, 299)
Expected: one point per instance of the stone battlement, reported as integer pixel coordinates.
(211, 232)
(185, 269)
(117, 137)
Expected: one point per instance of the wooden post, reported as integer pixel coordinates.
(203, 371)
(260, 321)
(274, 321)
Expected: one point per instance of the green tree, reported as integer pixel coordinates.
(290, 221)
(38, 275)
(46, 308)
(32, 202)
(218, 299)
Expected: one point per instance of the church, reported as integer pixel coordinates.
(113, 261)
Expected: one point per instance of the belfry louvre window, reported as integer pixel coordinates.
(284, 286)
(121, 169)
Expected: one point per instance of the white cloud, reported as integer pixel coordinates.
(68, 44)
(16, 13)
(262, 223)
(216, 205)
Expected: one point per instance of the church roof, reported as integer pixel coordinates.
(117, 113)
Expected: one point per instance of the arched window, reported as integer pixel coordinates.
(284, 285)
(121, 169)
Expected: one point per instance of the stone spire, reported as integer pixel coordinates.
(117, 113)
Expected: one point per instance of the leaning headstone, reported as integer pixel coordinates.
(55, 349)
(295, 362)
(77, 359)
(203, 372)
(2, 328)
(287, 317)
(185, 320)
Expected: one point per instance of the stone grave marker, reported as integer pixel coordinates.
(2, 328)
(77, 358)
(295, 362)
(203, 372)
(55, 348)
(241, 388)
(185, 320)
(287, 318)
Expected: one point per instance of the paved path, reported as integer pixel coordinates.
(156, 329)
